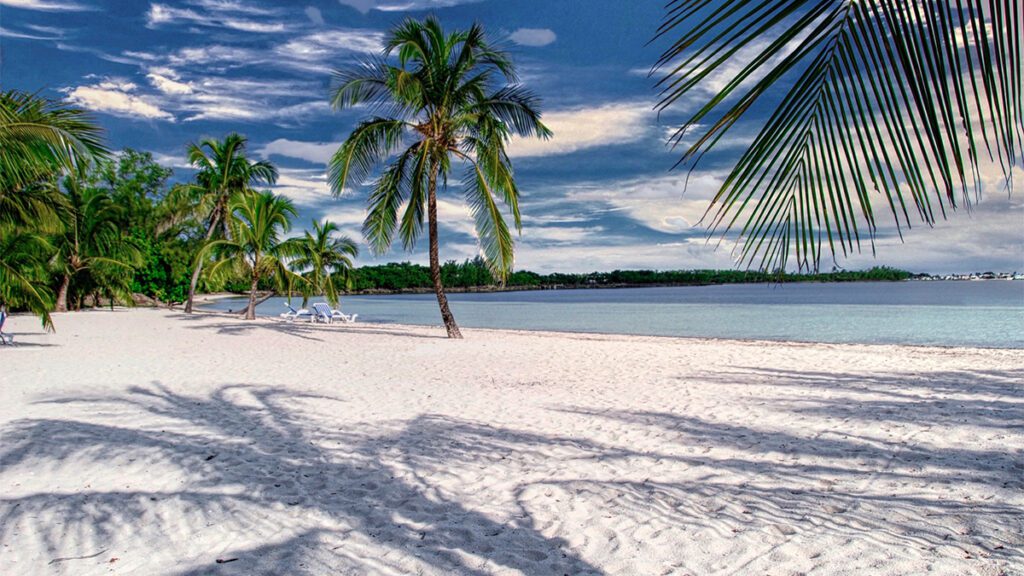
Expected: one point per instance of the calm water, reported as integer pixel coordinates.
(989, 314)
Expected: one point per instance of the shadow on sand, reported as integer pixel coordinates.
(360, 499)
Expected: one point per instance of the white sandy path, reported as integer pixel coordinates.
(147, 442)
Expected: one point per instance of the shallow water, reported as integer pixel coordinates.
(986, 313)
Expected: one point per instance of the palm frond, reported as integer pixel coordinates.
(902, 102)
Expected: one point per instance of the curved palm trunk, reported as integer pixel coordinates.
(62, 295)
(435, 263)
(199, 265)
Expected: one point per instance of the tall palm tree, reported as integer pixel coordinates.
(908, 102)
(224, 171)
(254, 246)
(40, 139)
(93, 247)
(446, 98)
(324, 262)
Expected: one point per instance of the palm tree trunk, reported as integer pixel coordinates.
(250, 312)
(62, 295)
(435, 262)
(199, 264)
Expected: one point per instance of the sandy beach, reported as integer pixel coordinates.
(150, 442)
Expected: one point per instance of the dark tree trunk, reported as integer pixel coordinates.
(250, 311)
(199, 262)
(62, 295)
(435, 262)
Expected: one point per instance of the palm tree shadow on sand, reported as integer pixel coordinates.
(313, 495)
(249, 456)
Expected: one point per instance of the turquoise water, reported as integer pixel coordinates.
(987, 314)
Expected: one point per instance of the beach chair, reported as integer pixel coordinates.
(326, 314)
(5, 339)
(293, 314)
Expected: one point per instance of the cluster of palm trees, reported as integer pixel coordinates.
(65, 239)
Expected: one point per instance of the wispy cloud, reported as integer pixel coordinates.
(233, 15)
(47, 5)
(365, 6)
(314, 15)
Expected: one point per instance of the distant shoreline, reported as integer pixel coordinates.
(548, 287)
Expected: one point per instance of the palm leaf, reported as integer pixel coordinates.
(906, 103)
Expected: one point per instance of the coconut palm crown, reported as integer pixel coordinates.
(254, 246)
(441, 101)
(324, 262)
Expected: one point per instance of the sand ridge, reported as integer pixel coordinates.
(142, 441)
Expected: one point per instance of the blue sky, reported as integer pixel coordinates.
(598, 196)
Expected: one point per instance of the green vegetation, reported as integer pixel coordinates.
(473, 274)
(253, 247)
(451, 97)
(324, 262)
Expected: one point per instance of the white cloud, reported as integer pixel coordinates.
(47, 5)
(168, 85)
(314, 15)
(592, 127)
(533, 36)
(316, 153)
(117, 98)
(304, 187)
(365, 6)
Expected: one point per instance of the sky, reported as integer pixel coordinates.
(600, 195)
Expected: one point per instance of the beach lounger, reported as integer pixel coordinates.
(5, 339)
(326, 314)
(293, 314)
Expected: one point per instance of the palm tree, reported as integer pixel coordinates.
(224, 172)
(253, 246)
(909, 101)
(444, 98)
(325, 262)
(39, 139)
(24, 278)
(93, 248)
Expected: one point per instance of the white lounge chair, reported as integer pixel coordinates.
(293, 314)
(5, 339)
(326, 314)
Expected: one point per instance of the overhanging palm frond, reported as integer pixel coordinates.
(907, 102)
(40, 137)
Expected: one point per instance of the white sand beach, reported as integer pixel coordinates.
(150, 442)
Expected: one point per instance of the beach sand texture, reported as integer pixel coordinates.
(149, 442)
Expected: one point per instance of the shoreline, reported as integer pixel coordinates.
(398, 328)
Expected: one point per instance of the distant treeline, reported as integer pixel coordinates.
(473, 275)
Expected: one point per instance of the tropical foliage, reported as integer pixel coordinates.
(93, 250)
(39, 140)
(254, 246)
(324, 263)
(441, 101)
(886, 107)
(224, 172)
